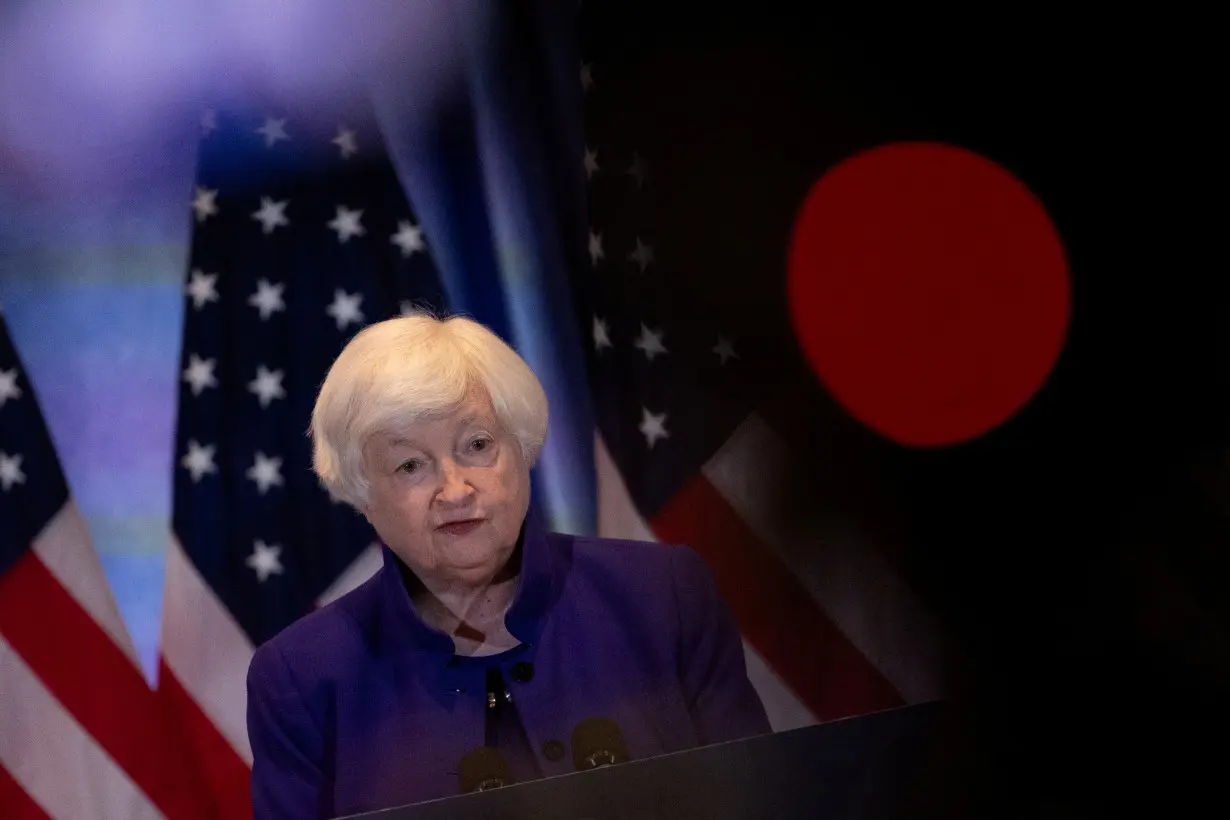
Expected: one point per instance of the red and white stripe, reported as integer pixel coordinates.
(202, 682)
(203, 673)
(80, 732)
(619, 518)
(830, 630)
(847, 576)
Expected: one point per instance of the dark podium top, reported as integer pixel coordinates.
(872, 766)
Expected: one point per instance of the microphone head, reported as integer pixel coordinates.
(483, 768)
(596, 742)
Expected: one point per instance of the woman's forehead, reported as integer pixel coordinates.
(428, 426)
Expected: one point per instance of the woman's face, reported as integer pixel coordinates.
(448, 494)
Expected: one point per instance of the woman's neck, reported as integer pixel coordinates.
(472, 616)
(474, 619)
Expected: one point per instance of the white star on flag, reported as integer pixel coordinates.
(268, 298)
(265, 560)
(199, 460)
(8, 386)
(650, 341)
(266, 472)
(345, 308)
(345, 142)
(200, 373)
(201, 287)
(347, 223)
(10, 471)
(725, 349)
(653, 426)
(591, 163)
(271, 214)
(602, 334)
(643, 255)
(595, 248)
(267, 385)
(409, 238)
(273, 131)
(205, 203)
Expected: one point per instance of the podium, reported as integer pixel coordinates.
(862, 768)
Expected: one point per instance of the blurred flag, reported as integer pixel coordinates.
(80, 731)
(700, 144)
(302, 236)
(505, 212)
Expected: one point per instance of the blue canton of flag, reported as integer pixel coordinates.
(32, 486)
(303, 235)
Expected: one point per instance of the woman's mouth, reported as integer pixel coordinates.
(460, 527)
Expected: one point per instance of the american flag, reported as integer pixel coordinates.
(302, 235)
(81, 735)
(711, 430)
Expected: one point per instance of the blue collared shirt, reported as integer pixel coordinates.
(362, 705)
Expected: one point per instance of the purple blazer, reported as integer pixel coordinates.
(357, 707)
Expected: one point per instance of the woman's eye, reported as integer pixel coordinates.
(478, 445)
(409, 466)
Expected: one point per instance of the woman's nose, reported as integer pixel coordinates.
(454, 488)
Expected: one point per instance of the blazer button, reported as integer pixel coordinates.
(553, 750)
(523, 671)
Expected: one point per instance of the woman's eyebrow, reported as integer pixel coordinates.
(405, 442)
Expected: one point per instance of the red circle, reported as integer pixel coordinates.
(928, 290)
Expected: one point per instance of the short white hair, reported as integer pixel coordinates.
(395, 372)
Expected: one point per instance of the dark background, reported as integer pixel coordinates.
(1078, 553)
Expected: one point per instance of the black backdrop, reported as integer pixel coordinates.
(1079, 552)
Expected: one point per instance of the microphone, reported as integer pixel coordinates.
(482, 769)
(597, 742)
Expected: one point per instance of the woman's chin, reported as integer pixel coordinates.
(478, 567)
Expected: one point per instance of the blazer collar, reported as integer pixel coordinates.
(538, 587)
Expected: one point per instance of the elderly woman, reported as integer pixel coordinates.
(481, 629)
